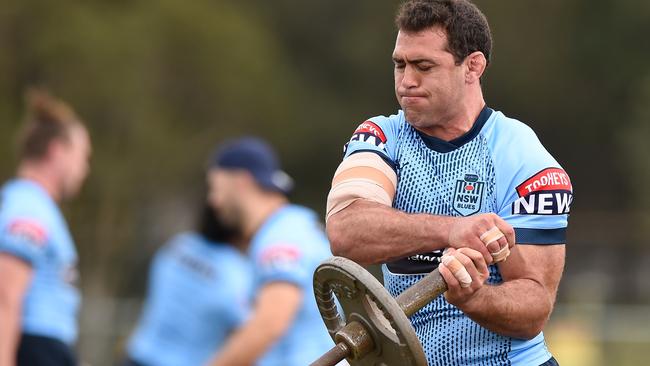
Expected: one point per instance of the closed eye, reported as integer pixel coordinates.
(424, 66)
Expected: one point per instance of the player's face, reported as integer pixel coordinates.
(224, 196)
(428, 84)
(74, 161)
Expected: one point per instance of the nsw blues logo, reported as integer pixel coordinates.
(468, 195)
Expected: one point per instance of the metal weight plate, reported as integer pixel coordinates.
(365, 304)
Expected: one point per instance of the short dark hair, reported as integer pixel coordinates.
(466, 27)
(47, 119)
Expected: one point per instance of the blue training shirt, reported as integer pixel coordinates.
(33, 229)
(198, 294)
(288, 247)
(498, 166)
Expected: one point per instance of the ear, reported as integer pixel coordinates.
(476, 64)
(245, 180)
(55, 148)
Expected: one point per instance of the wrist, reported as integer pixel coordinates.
(441, 228)
(472, 304)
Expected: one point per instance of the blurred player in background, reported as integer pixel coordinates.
(199, 287)
(449, 173)
(287, 242)
(38, 297)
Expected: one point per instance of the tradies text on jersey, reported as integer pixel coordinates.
(548, 192)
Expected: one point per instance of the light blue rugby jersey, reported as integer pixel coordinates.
(33, 229)
(498, 166)
(288, 248)
(198, 294)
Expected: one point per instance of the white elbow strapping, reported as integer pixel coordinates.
(346, 192)
(370, 160)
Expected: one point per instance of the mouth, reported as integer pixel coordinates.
(411, 99)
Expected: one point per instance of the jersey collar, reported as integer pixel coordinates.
(443, 146)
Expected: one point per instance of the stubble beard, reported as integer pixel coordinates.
(232, 219)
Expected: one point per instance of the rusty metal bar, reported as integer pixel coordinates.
(337, 354)
(423, 292)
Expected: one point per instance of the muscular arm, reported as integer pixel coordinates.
(362, 225)
(369, 232)
(522, 304)
(276, 307)
(15, 275)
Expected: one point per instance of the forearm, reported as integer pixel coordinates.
(517, 308)
(369, 233)
(277, 305)
(246, 345)
(9, 334)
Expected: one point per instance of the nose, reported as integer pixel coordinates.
(409, 78)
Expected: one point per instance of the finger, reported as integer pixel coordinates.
(448, 251)
(501, 255)
(507, 230)
(479, 262)
(450, 280)
(457, 269)
(503, 242)
(495, 246)
(491, 239)
(468, 263)
(478, 245)
(502, 250)
(490, 235)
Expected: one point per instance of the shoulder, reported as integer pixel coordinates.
(26, 199)
(27, 211)
(533, 190)
(184, 239)
(292, 219)
(516, 145)
(378, 134)
(28, 220)
(386, 124)
(500, 127)
(289, 232)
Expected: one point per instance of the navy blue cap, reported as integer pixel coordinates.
(258, 158)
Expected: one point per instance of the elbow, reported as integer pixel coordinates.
(534, 327)
(531, 332)
(276, 330)
(336, 233)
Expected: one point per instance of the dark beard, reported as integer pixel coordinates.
(214, 227)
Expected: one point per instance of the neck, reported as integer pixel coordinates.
(38, 173)
(259, 209)
(459, 122)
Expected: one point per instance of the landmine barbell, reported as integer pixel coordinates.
(375, 329)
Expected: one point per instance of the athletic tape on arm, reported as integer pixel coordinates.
(363, 175)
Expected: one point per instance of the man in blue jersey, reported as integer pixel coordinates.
(286, 243)
(448, 183)
(38, 297)
(199, 290)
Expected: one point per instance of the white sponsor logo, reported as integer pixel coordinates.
(551, 203)
(368, 138)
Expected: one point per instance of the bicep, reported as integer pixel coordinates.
(16, 274)
(277, 304)
(542, 264)
(364, 175)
